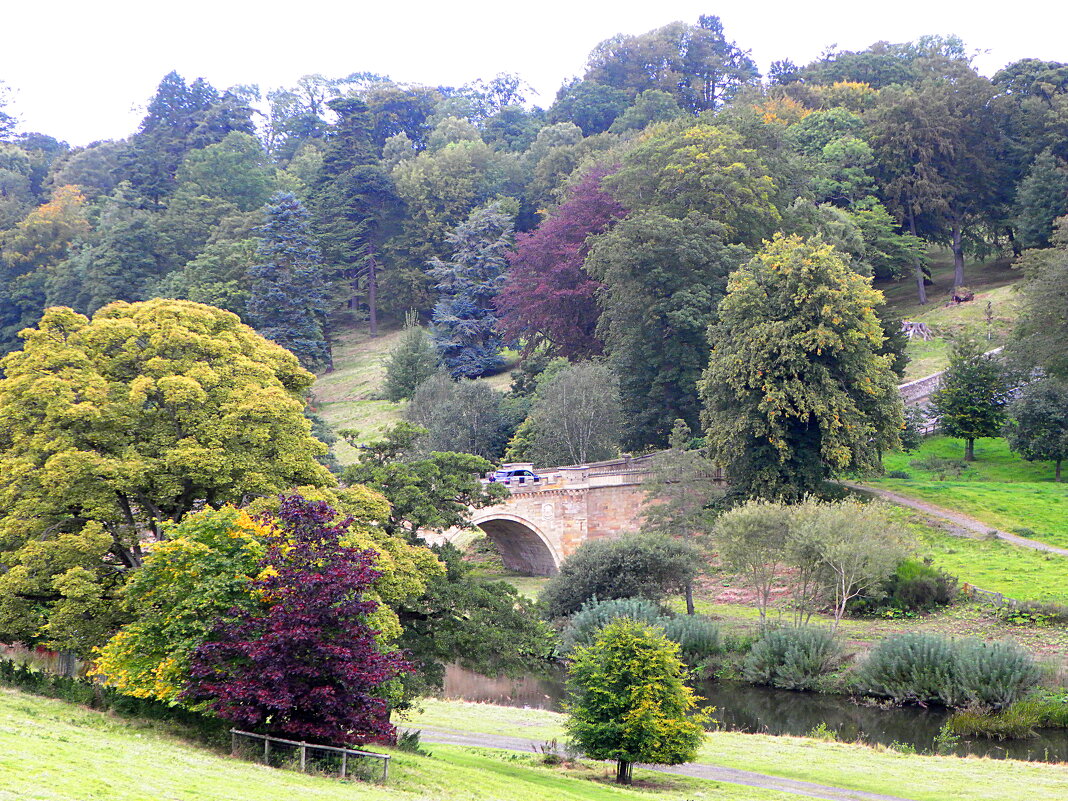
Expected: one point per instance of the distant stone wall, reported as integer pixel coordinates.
(919, 392)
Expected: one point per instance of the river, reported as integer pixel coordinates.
(750, 708)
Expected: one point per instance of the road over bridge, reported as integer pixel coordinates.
(542, 523)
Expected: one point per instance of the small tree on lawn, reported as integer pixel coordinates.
(1037, 426)
(411, 362)
(752, 541)
(306, 664)
(971, 401)
(857, 544)
(629, 701)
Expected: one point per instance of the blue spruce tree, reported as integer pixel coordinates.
(288, 292)
(464, 322)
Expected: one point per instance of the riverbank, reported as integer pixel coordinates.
(844, 765)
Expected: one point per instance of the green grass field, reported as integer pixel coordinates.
(999, 488)
(53, 751)
(859, 767)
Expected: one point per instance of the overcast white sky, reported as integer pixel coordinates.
(83, 71)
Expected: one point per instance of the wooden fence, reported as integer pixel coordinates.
(996, 598)
(304, 748)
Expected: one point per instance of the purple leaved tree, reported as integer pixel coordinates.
(306, 664)
(548, 295)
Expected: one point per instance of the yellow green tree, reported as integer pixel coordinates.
(796, 388)
(629, 700)
(114, 426)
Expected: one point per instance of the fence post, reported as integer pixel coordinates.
(233, 742)
(266, 751)
(344, 762)
(385, 769)
(303, 755)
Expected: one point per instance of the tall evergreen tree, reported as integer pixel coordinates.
(464, 319)
(288, 297)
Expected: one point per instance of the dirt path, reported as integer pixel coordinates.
(697, 770)
(959, 524)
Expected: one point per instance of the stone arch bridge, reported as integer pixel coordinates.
(542, 523)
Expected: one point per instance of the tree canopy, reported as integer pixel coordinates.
(115, 425)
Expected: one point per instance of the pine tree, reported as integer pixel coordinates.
(411, 362)
(464, 320)
(288, 294)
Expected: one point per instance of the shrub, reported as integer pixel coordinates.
(697, 637)
(898, 474)
(791, 658)
(1034, 613)
(636, 566)
(996, 673)
(927, 667)
(914, 586)
(583, 626)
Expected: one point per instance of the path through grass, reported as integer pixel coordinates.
(999, 488)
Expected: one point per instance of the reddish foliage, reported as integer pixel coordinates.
(547, 294)
(306, 665)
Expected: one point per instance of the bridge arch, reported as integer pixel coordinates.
(523, 545)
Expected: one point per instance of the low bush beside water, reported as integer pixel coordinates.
(916, 667)
(698, 637)
(792, 658)
(914, 586)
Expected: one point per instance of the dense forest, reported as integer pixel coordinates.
(605, 226)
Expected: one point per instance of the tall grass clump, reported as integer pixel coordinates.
(791, 658)
(917, 667)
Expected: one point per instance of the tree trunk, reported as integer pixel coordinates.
(1014, 243)
(372, 293)
(689, 584)
(969, 450)
(1057, 471)
(623, 772)
(918, 266)
(958, 255)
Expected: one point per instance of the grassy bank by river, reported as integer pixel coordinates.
(858, 767)
(55, 751)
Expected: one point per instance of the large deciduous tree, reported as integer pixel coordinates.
(629, 701)
(547, 295)
(663, 278)
(577, 416)
(1041, 336)
(114, 425)
(694, 63)
(796, 388)
(1037, 426)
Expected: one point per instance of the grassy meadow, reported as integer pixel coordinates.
(991, 282)
(857, 767)
(55, 751)
(999, 488)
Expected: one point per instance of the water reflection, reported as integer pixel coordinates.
(748, 708)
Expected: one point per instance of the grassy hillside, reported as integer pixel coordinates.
(999, 488)
(991, 282)
(53, 751)
(350, 396)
